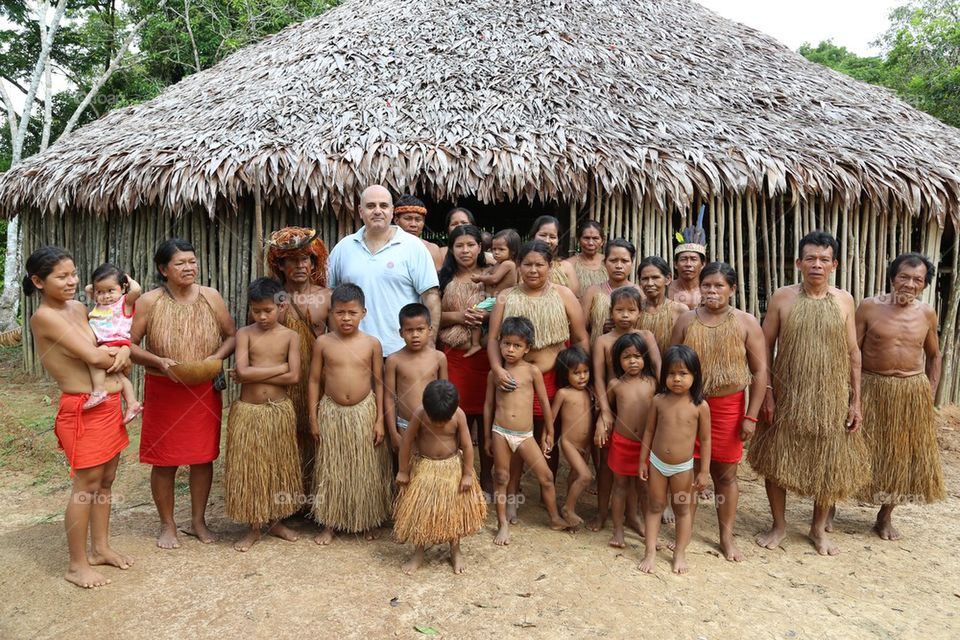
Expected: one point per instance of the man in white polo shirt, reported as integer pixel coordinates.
(391, 266)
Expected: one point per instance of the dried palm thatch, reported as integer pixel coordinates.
(502, 100)
(11, 338)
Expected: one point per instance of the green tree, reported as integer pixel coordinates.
(920, 60)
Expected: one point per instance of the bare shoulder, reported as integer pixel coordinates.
(211, 294)
(844, 299)
(146, 301)
(704, 409)
(929, 313)
(748, 320)
(784, 295)
(439, 357)
(565, 293)
(685, 318)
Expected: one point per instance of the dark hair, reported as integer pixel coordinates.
(724, 269)
(911, 259)
(688, 357)
(263, 289)
(512, 238)
(627, 292)
(541, 221)
(41, 264)
(413, 310)
(449, 267)
(820, 239)
(589, 224)
(107, 270)
(636, 341)
(409, 201)
(446, 222)
(440, 400)
(535, 246)
(347, 292)
(654, 261)
(166, 251)
(486, 240)
(622, 244)
(519, 327)
(568, 360)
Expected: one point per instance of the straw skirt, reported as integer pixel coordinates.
(262, 481)
(431, 509)
(351, 476)
(901, 437)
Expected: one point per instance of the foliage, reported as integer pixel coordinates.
(921, 59)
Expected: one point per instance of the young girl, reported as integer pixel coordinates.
(116, 295)
(624, 310)
(505, 245)
(630, 394)
(573, 408)
(678, 415)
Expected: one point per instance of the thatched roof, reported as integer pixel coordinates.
(501, 99)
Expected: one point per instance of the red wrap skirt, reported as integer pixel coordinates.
(550, 382)
(92, 437)
(624, 456)
(726, 414)
(181, 423)
(469, 376)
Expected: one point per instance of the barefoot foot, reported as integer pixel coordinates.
(771, 539)
(247, 541)
(106, 555)
(649, 563)
(86, 577)
(668, 517)
(411, 565)
(571, 517)
(824, 545)
(616, 540)
(472, 350)
(456, 559)
(371, 534)
(283, 532)
(730, 550)
(325, 537)
(201, 532)
(503, 535)
(168, 538)
(597, 524)
(559, 524)
(679, 563)
(886, 530)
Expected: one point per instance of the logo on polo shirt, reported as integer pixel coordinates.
(390, 265)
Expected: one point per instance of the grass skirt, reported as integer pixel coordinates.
(808, 449)
(432, 509)
(901, 436)
(353, 490)
(262, 481)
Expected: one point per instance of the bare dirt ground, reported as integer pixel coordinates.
(544, 585)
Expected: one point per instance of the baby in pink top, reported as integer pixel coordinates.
(116, 295)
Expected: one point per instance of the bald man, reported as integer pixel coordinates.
(391, 266)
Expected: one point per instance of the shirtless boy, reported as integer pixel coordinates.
(408, 371)
(901, 371)
(508, 424)
(262, 427)
(352, 473)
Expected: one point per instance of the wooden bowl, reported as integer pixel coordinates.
(196, 372)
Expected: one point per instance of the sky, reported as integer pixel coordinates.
(853, 24)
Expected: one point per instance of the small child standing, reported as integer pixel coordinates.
(678, 415)
(508, 415)
(504, 247)
(625, 308)
(630, 395)
(408, 371)
(263, 482)
(352, 481)
(573, 408)
(440, 499)
(116, 296)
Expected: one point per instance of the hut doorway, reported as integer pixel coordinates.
(494, 217)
